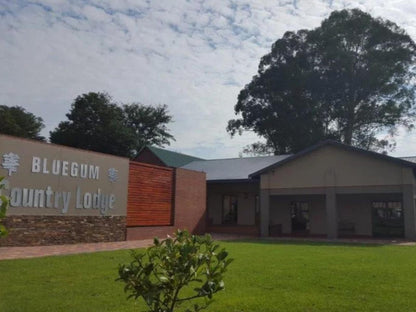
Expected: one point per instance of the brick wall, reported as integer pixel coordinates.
(54, 230)
(189, 208)
(190, 200)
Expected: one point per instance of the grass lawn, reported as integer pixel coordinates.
(264, 276)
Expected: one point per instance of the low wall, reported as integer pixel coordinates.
(27, 230)
(189, 208)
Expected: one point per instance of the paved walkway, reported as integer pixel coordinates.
(43, 251)
(55, 250)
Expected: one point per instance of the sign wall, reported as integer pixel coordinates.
(48, 179)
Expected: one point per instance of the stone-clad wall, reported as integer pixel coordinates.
(53, 230)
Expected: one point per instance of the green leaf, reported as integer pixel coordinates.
(222, 255)
(3, 230)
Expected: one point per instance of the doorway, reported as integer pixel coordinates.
(299, 212)
(230, 209)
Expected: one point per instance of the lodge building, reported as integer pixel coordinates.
(328, 190)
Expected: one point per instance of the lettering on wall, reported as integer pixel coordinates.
(10, 162)
(65, 168)
(59, 200)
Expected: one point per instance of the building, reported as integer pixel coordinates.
(328, 190)
(232, 195)
(61, 195)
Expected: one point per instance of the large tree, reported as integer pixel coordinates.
(16, 121)
(349, 79)
(96, 123)
(148, 124)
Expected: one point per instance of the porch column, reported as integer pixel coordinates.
(409, 212)
(331, 213)
(264, 212)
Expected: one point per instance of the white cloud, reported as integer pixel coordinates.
(194, 56)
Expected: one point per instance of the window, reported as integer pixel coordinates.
(388, 219)
(230, 209)
(388, 210)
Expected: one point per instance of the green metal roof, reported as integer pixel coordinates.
(172, 159)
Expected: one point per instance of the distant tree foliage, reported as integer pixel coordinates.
(148, 124)
(349, 79)
(96, 123)
(16, 121)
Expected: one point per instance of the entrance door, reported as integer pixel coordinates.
(230, 209)
(388, 219)
(300, 217)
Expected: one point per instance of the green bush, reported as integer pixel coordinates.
(4, 203)
(176, 270)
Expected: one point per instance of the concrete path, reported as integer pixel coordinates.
(43, 251)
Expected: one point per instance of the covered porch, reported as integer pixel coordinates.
(335, 190)
(367, 212)
(233, 208)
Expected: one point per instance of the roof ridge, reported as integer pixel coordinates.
(169, 151)
(252, 157)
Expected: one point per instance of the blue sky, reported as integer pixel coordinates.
(194, 56)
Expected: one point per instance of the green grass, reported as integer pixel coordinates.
(264, 277)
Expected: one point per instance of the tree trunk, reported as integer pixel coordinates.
(348, 134)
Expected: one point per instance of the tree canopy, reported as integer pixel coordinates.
(96, 123)
(16, 121)
(148, 124)
(349, 79)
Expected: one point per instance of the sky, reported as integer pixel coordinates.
(194, 56)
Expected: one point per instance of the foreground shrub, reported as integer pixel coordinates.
(176, 270)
